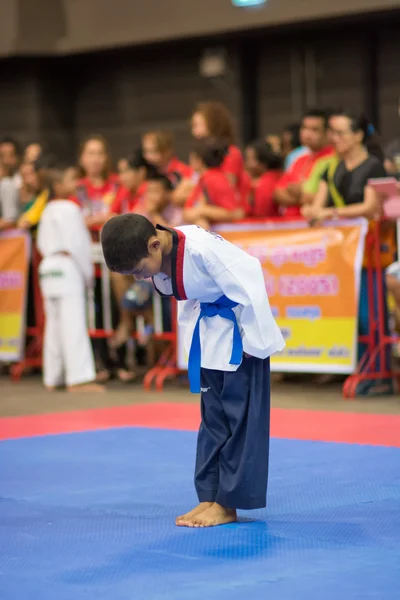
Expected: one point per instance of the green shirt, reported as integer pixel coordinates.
(320, 167)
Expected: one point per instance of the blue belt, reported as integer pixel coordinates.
(222, 307)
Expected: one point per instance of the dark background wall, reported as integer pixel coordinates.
(57, 26)
(271, 77)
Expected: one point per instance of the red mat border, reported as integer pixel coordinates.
(351, 428)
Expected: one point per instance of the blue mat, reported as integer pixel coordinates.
(91, 516)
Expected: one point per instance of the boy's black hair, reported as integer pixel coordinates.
(125, 241)
(211, 152)
(265, 155)
(163, 179)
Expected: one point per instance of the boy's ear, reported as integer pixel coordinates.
(154, 244)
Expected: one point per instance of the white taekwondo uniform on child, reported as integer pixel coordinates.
(65, 272)
(205, 267)
(230, 335)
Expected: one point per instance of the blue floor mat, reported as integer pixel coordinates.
(91, 516)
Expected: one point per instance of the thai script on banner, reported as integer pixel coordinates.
(312, 277)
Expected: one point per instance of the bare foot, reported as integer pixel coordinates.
(183, 519)
(50, 388)
(213, 516)
(86, 388)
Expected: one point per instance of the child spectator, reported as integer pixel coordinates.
(159, 201)
(213, 200)
(9, 199)
(265, 169)
(213, 119)
(65, 272)
(32, 215)
(158, 150)
(133, 177)
(98, 187)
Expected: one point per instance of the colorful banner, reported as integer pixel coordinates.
(14, 265)
(312, 276)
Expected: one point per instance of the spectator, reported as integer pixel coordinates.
(265, 169)
(289, 190)
(122, 164)
(9, 200)
(32, 151)
(275, 142)
(311, 185)
(159, 199)
(213, 119)
(213, 200)
(133, 184)
(65, 272)
(31, 216)
(98, 187)
(344, 193)
(10, 156)
(29, 186)
(158, 150)
(97, 191)
(292, 148)
(131, 197)
(392, 154)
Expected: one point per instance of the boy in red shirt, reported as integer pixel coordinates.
(213, 200)
(133, 179)
(265, 169)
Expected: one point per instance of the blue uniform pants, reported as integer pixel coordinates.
(233, 441)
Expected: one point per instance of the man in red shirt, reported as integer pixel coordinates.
(213, 200)
(313, 133)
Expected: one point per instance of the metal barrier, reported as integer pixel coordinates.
(376, 339)
(166, 367)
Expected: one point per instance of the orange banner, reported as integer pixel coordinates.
(14, 265)
(312, 276)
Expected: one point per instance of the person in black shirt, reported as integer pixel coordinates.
(344, 193)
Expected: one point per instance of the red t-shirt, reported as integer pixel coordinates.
(299, 172)
(179, 168)
(97, 199)
(262, 203)
(216, 189)
(234, 165)
(126, 201)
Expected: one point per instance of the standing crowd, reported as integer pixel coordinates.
(316, 170)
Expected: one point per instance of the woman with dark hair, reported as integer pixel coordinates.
(264, 167)
(214, 120)
(344, 193)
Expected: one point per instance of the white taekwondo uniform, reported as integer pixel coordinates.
(65, 272)
(227, 316)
